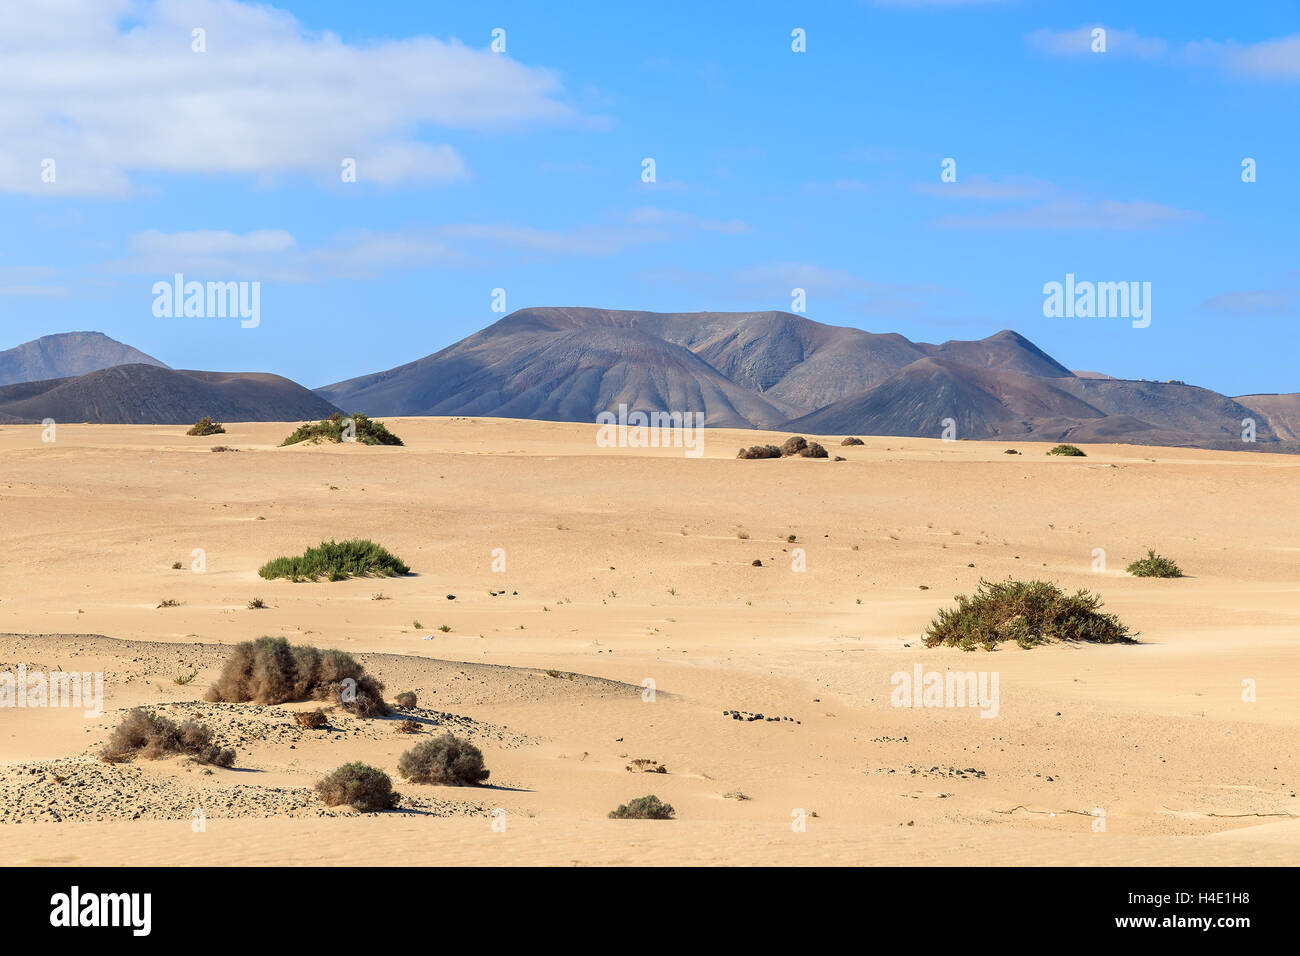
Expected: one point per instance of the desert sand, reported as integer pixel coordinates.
(625, 566)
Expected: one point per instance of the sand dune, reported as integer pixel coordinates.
(631, 565)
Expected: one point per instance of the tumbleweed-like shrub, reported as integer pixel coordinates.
(1069, 451)
(359, 786)
(270, 671)
(448, 760)
(759, 451)
(151, 736)
(311, 719)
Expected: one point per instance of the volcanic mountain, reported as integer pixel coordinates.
(564, 365)
(148, 394)
(770, 370)
(67, 354)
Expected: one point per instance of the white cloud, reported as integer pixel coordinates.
(1079, 214)
(29, 281)
(654, 216)
(1268, 59)
(1078, 42)
(1272, 301)
(1271, 59)
(108, 88)
(274, 255)
(984, 188)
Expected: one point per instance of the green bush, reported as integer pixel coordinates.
(448, 760)
(206, 426)
(1070, 451)
(367, 431)
(144, 733)
(648, 807)
(1027, 612)
(337, 560)
(360, 787)
(270, 671)
(1154, 566)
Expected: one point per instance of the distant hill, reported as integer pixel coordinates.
(982, 402)
(771, 370)
(67, 354)
(1281, 412)
(560, 365)
(149, 394)
(741, 369)
(779, 370)
(1004, 351)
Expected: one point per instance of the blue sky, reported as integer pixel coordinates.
(522, 171)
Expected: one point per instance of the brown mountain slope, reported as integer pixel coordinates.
(1281, 412)
(554, 365)
(1005, 350)
(147, 394)
(67, 354)
(1169, 406)
(791, 364)
(984, 403)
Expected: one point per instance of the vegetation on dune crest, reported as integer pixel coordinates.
(143, 733)
(365, 431)
(335, 561)
(206, 426)
(359, 786)
(1069, 451)
(796, 447)
(1027, 612)
(270, 671)
(648, 807)
(448, 760)
(1154, 566)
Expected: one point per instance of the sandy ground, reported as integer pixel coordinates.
(625, 566)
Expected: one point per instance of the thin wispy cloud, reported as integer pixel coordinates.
(1063, 214)
(1276, 59)
(655, 216)
(987, 189)
(774, 282)
(841, 186)
(1281, 299)
(276, 255)
(1079, 42)
(30, 281)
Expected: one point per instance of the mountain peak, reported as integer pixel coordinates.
(66, 354)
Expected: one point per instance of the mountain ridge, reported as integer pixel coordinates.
(766, 369)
